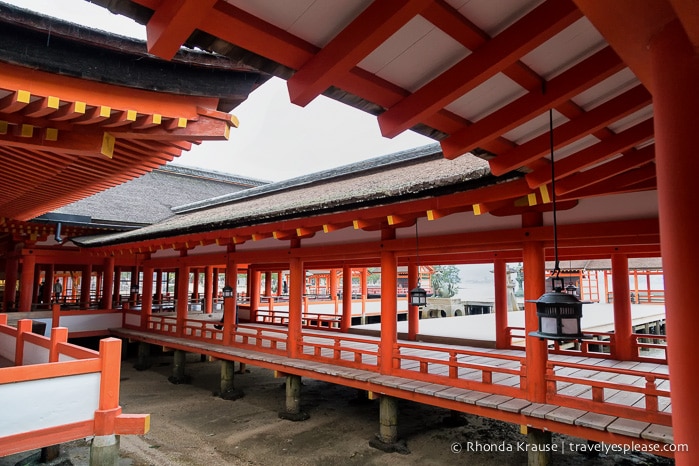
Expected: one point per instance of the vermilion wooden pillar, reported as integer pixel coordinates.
(501, 307)
(208, 289)
(364, 289)
(268, 284)
(182, 308)
(230, 309)
(108, 277)
(255, 278)
(85, 281)
(159, 286)
(26, 284)
(675, 72)
(147, 299)
(534, 287)
(296, 288)
(195, 283)
(346, 321)
(11, 272)
(389, 310)
(623, 344)
(413, 311)
(116, 285)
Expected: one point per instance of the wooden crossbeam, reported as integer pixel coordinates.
(588, 122)
(592, 70)
(594, 154)
(494, 56)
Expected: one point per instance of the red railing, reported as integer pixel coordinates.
(87, 381)
(654, 350)
(471, 369)
(612, 391)
(647, 347)
(359, 353)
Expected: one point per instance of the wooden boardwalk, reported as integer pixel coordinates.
(598, 399)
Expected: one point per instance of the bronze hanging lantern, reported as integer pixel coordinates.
(227, 291)
(418, 296)
(559, 313)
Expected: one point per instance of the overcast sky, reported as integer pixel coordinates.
(276, 140)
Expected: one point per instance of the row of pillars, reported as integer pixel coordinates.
(387, 439)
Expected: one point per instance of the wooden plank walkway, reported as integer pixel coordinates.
(351, 360)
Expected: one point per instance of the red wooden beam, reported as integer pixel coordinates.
(588, 122)
(590, 71)
(629, 181)
(378, 22)
(591, 155)
(632, 159)
(494, 56)
(172, 23)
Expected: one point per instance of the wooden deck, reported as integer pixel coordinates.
(598, 399)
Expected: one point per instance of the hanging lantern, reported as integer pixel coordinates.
(418, 296)
(559, 314)
(227, 291)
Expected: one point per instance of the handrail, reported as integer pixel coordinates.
(89, 380)
(599, 403)
(460, 371)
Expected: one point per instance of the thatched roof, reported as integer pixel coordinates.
(413, 174)
(151, 197)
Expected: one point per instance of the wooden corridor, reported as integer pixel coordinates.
(604, 400)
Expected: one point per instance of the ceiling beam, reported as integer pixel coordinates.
(630, 160)
(172, 23)
(588, 122)
(571, 82)
(638, 179)
(596, 153)
(493, 57)
(378, 22)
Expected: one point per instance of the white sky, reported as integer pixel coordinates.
(276, 140)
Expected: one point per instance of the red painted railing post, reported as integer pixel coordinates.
(23, 326)
(55, 315)
(58, 335)
(550, 380)
(651, 397)
(109, 409)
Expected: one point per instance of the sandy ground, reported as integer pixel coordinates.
(191, 426)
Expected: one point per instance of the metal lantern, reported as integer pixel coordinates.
(227, 291)
(418, 296)
(134, 289)
(559, 314)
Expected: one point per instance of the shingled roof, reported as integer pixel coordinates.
(412, 174)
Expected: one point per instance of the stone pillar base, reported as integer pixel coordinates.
(104, 450)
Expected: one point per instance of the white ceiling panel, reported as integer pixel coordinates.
(568, 47)
(493, 16)
(534, 127)
(609, 88)
(418, 42)
(573, 147)
(486, 98)
(315, 21)
(632, 119)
